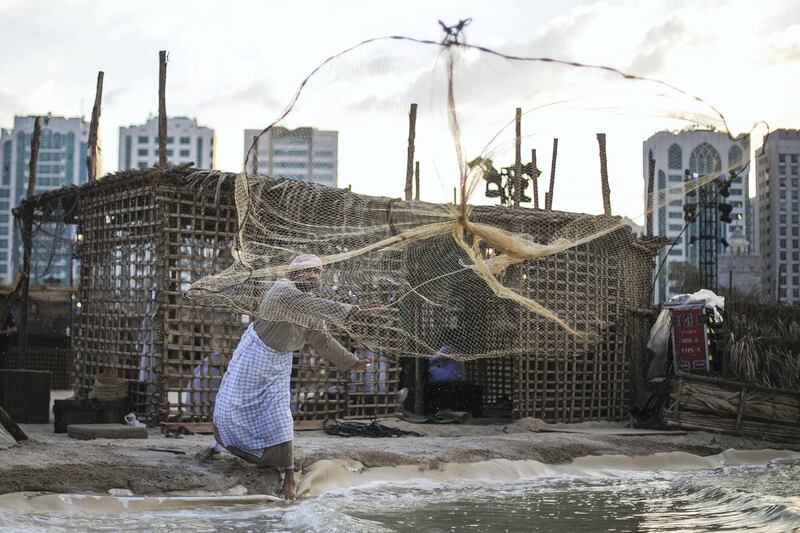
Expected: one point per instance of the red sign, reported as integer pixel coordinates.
(689, 341)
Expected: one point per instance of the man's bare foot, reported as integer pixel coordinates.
(207, 454)
(288, 491)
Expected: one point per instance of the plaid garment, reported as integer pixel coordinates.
(252, 406)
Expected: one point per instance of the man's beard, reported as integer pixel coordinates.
(306, 286)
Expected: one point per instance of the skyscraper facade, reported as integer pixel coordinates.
(303, 154)
(778, 214)
(187, 142)
(700, 153)
(61, 162)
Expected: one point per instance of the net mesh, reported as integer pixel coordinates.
(480, 279)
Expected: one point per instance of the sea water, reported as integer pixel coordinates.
(764, 497)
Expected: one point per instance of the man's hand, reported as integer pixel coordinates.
(360, 366)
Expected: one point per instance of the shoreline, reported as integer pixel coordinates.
(55, 463)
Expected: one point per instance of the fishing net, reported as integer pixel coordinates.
(454, 270)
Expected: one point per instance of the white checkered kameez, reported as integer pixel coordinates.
(252, 407)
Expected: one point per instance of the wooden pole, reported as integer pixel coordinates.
(162, 108)
(13, 429)
(91, 158)
(601, 141)
(412, 133)
(518, 157)
(254, 160)
(548, 196)
(27, 238)
(416, 181)
(535, 180)
(651, 176)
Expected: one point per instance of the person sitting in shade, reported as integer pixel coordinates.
(443, 368)
(252, 413)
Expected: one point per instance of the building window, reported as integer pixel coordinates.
(737, 192)
(142, 164)
(676, 178)
(782, 243)
(676, 251)
(170, 152)
(794, 170)
(142, 139)
(705, 160)
(329, 153)
(734, 155)
(675, 227)
(794, 158)
(142, 151)
(170, 140)
(673, 214)
(675, 157)
(186, 140)
(781, 169)
(662, 180)
(184, 153)
(128, 140)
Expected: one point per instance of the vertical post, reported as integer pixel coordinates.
(535, 179)
(412, 133)
(548, 196)
(416, 181)
(27, 238)
(518, 158)
(601, 141)
(651, 177)
(454, 196)
(162, 109)
(91, 158)
(419, 386)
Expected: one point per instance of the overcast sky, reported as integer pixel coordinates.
(235, 65)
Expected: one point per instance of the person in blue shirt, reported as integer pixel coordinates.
(444, 368)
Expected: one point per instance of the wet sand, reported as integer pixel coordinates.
(57, 463)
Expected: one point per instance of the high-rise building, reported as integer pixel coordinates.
(303, 154)
(700, 153)
(62, 161)
(186, 143)
(778, 215)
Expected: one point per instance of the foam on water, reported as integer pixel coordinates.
(735, 490)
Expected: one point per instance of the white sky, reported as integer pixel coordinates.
(234, 65)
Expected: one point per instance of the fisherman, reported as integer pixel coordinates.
(252, 415)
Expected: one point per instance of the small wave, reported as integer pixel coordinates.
(336, 475)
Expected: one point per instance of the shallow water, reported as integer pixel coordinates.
(734, 498)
